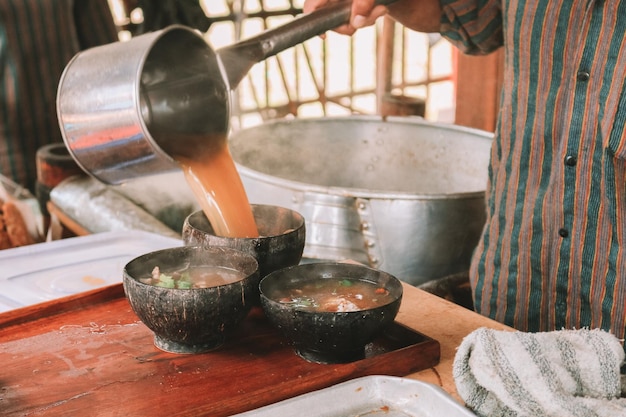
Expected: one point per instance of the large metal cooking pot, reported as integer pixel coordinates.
(399, 194)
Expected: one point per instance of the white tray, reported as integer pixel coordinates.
(377, 395)
(46, 271)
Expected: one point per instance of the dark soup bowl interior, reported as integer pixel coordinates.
(191, 297)
(329, 312)
(280, 244)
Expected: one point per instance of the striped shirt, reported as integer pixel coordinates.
(37, 40)
(553, 251)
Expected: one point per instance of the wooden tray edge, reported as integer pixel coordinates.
(62, 305)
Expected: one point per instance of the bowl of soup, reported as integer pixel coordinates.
(330, 311)
(280, 242)
(191, 297)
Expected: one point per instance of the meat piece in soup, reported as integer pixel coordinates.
(333, 295)
(193, 277)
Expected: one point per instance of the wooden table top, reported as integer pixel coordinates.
(446, 322)
(90, 352)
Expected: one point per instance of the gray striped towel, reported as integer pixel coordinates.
(566, 373)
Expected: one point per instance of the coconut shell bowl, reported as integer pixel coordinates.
(329, 312)
(191, 297)
(282, 235)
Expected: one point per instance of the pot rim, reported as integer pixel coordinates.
(298, 186)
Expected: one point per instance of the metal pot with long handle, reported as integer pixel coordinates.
(126, 108)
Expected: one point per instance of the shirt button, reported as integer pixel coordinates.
(570, 160)
(582, 76)
(563, 233)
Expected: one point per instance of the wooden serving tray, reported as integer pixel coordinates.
(90, 355)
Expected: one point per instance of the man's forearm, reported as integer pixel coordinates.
(419, 15)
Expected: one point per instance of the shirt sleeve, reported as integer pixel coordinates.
(473, 26)
(94, 23)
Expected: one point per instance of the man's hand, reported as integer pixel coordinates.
(364, 13)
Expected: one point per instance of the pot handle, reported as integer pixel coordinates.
(241, 56)
(368, 230)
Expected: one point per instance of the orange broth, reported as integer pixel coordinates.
(194, 277)
(213, 178)
(332, 294)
